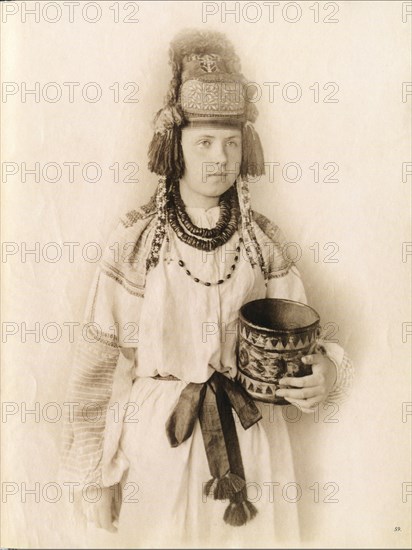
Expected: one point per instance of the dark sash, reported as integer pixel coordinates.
(211, 402)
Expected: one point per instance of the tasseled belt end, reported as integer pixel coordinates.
(225, 487)
(239, 513)
(232, 487)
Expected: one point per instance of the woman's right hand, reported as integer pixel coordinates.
(100, 512)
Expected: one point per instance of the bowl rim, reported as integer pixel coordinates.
(282, 331)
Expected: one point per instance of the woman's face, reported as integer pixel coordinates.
(212, 156)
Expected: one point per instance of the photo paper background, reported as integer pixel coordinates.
(356, 276)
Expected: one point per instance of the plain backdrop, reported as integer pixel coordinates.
(361, 221)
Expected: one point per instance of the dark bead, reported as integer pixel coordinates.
(228, 276)
(196, 280)
(233, 267)
(188, 272)
(207, 284)
(181, 263)
(238, 249)
(236, 258)
(220, 281)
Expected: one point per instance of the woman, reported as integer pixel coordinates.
(194, 443)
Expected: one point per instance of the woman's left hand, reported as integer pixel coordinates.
(307, 392)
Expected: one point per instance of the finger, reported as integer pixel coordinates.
(305, 405)
(312, 359)
(317, 378)
(301, 393)
(300, 382)
(310, 381)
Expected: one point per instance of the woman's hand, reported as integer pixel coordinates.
(307, 392)
(100, 512)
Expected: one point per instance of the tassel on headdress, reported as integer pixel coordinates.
(252, 152)
(165, 149)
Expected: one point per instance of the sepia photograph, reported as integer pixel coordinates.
(206, 274)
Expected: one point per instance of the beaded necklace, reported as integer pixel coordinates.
(228, 275)
(198, 237)
(225, 203)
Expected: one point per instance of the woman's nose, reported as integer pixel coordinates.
(220, 155)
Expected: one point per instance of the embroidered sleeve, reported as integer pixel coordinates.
(88, 397)
(110, 327)
(344, 373)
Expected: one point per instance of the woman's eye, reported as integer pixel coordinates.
(204, 143)
(232, 143)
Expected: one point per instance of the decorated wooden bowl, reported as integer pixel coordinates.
(274, 335)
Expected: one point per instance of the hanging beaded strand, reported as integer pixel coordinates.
(160, 229)
(247, 225)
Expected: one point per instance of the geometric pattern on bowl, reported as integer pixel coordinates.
(273, 336)
(260, 390)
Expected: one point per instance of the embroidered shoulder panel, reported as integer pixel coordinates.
(131, 217)
(128, 247)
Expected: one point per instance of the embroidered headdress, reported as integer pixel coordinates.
(206, 87)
